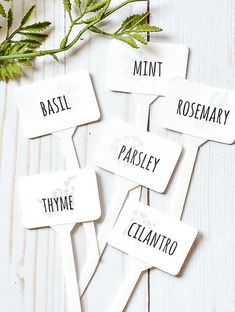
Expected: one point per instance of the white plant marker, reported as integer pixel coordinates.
(144, 73)
(150, 239)
(58, 106)
(201, 113)
(218, 125)
(138, 156)
(59, 200)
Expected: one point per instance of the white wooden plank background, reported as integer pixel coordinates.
(31, 278)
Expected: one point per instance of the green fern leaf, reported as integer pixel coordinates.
(40, 26)
(139, 38)
(28, 16)
(14, 70)
(128, 21)
(10, 71)
(97, 6)
(147, 28)
(78, 3)
(67, 5)
(33, 36)
(91, 19)
(15, 48)
(127, 40)
(9, 19)
(131, 21)
(31, 43)
(2, 11)
(142, 19)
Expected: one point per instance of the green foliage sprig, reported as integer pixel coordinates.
(20, 46)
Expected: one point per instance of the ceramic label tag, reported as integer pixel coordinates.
(59, 198)
(137, 155)
(146, 70)
(57, 104)
(152, 237)
(199, 110)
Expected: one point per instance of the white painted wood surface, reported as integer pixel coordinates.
(31, 277)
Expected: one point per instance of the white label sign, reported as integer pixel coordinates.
(59, 198)
(137, 155)
(146, 70)
(57, 104)
(152, 237)
(199, 110)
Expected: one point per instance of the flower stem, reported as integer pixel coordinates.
(74, 41)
